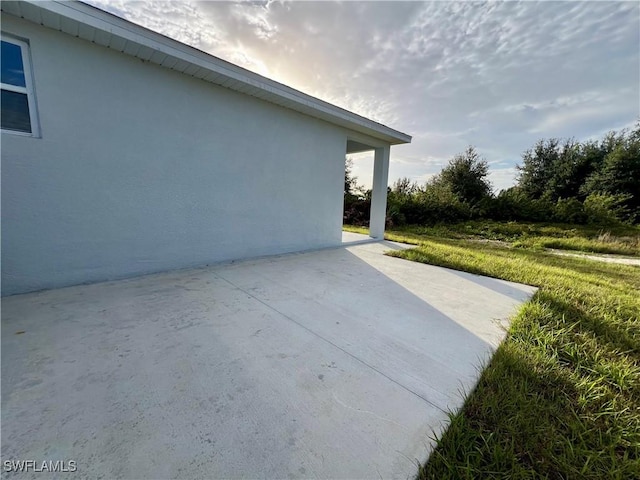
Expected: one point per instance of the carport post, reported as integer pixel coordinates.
(379, 192)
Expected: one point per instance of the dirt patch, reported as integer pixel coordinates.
(598, 258)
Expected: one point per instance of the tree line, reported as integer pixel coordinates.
(590, 182)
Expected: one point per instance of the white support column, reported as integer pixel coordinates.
(379, 192)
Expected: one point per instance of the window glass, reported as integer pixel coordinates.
(15, 111)
(17, 98)
(12, 67)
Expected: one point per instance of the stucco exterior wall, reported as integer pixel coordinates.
(141, 169)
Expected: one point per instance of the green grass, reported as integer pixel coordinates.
(620, 239)
(561, 397)
(601, 244)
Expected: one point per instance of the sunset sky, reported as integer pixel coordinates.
(498, 76)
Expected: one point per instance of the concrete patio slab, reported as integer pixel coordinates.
(330, 364)
(350, 238)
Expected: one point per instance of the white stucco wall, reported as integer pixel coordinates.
(141, 169)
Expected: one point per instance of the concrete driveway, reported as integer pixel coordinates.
(330, 364)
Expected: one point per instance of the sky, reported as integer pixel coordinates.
(498, 76)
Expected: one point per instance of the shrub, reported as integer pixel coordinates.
(603, 209)
(356, 212)
(569, 210)
(434, 203)
(514, 204)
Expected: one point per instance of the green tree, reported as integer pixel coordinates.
(357, 199)
(619, 174)
(537, 167)
(404, 187)
(466, 176)
(350, 182)
(559, 170)
(568, 171)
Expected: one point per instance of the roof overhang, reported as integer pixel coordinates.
(102, 28)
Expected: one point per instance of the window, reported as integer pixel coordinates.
(18, 102)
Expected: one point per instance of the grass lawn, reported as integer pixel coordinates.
(561, 397)
(621, 239)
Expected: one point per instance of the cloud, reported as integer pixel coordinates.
(182, 21)
(495, 75)
(502, 178)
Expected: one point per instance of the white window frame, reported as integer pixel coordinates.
(28, 89)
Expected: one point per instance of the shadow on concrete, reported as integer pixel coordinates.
(396, 246)
(336, 363)
(350, 238)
